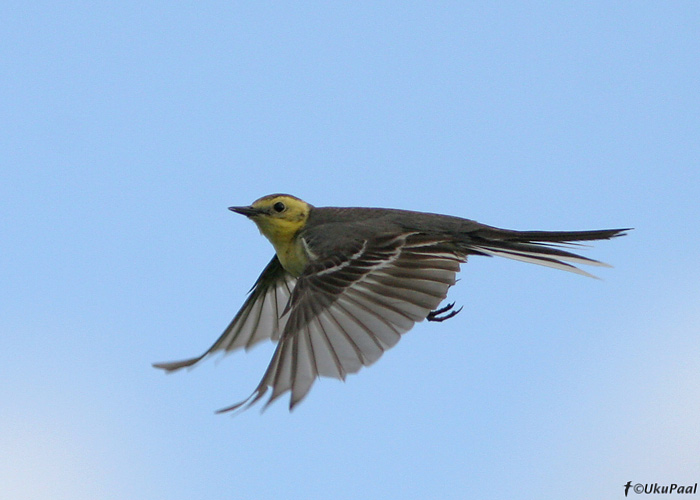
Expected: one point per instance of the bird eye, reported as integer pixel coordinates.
(279, 207)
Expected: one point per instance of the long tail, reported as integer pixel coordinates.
(539, 247)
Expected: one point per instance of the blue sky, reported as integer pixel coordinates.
(128, 128)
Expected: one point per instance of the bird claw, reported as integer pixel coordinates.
(436, 314)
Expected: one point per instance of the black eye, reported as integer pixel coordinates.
(279, 207)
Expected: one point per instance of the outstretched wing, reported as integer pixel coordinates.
(345, 311)
(260, 317)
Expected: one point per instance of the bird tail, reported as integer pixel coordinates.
(539, 247)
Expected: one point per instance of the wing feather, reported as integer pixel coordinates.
(386, 332)
(368, 347)
(344, 313)
(260, 317)
(327, 362)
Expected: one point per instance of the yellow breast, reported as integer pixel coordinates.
(292, 257)
(283, 236)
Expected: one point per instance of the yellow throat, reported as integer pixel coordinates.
(280, 218)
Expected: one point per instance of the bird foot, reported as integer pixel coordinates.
(436, 314)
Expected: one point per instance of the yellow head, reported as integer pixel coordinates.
(278, 216)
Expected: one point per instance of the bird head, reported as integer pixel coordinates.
(278, 216)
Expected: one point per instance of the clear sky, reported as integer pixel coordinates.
(127, 128)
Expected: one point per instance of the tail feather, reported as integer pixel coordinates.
(540, 247)
(548, 236)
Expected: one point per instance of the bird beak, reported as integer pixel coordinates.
(247, 211)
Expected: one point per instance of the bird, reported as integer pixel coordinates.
(345, 284)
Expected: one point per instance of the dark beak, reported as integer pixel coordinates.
(247, 211)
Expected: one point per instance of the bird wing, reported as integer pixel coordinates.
(260, 317)
(346, 310)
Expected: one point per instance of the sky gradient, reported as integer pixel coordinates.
(129, 128)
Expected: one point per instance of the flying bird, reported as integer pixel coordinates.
(346, 283)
